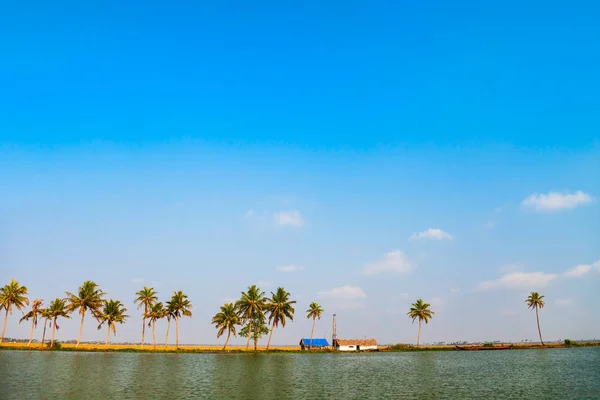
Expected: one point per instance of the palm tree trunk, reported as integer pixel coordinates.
(53, 329)
(4, 325)
(177, 332)
(168, 327)
(249, 334)
(154, 334)
(31, 333)
(143, 331)
(271, 335)
(419, 334)
(107, 334)
(537, 317)
(80, 327)
(227, 341)
(255, 343)
(312, 333)
(44, 334)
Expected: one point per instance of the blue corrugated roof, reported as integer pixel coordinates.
(316, 342)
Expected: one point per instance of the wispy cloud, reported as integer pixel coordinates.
(346, 292)
(394, 261)
(431, 233)
(564, 302)
(288, 218)
(554, 201)
(289, 268)
(578, 271)
(518, 280)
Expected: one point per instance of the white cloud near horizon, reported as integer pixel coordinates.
(288, 218)
(288, 268)
(564, 302)
(554, 201)
(346, 292)
(394, 261)
(518, 280)
(431, 233)
(578, 271)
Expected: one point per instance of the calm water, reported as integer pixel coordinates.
(548, 374)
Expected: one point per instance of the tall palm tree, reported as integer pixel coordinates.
(314, 311)
(113, 313)
(251, 306)
(146, 298)
(226, 320)
(535, 301)
(169, 315)
(180, 306)
(58, 308)
(88, 297)
(279, 307)
(45, 314)
(32, 315)
(12, 295)
(420, 310)
(156, 312)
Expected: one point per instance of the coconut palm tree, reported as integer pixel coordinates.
(535, 301)
(169, 315)
(180, 306)
(146, 298)
(259, 329)
(279, 307)
(156, 312)
(226, 320)
(32, 315)
(88, 297)
(45, 314)
(420, 310)
(250, 307)
(113, 313)
(58, 308)
(12, 295)
(314, 311)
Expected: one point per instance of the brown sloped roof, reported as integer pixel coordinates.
(356, 342)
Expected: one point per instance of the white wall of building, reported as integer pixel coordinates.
(353, 348)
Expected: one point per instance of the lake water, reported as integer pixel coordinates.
(527, 374)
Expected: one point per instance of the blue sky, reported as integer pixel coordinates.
(359, 154)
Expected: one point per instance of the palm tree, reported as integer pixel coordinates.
(58, 308)
(11, 295)
(226, 319)
(45, 314)
(420, 310)
(535, 301)
(251, 306)
(33, 316)
(314, 311)
(180, 306)
(145, 298)
(113, 312)
(279, 307)
(88, 297)
(156, 312)
(169, 314)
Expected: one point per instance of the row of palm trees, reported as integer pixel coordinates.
(251, 309)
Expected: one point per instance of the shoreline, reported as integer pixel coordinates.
(122, 348)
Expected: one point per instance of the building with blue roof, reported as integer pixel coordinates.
(317, 343)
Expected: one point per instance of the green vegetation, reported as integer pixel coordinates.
(535, 301)
(251, 307)
(420, 310)
(12, 295)
(33, 315)
(112, 314)
(58, 309)
(156, 312)
(146, 298)
(226, 320)
(314, 311)
(488, 344)
(279, 308)
(88, 297)
(179, 306)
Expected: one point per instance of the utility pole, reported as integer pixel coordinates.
(333, 334)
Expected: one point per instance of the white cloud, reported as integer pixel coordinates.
(553, 201)
(138, 280)
(454, 290)
(394, 261)
(346, 292)
(578, 271)
(596, 265)
(432, 233)
(518, 280)
(288, 218)
(289, 268)
(564, 302)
